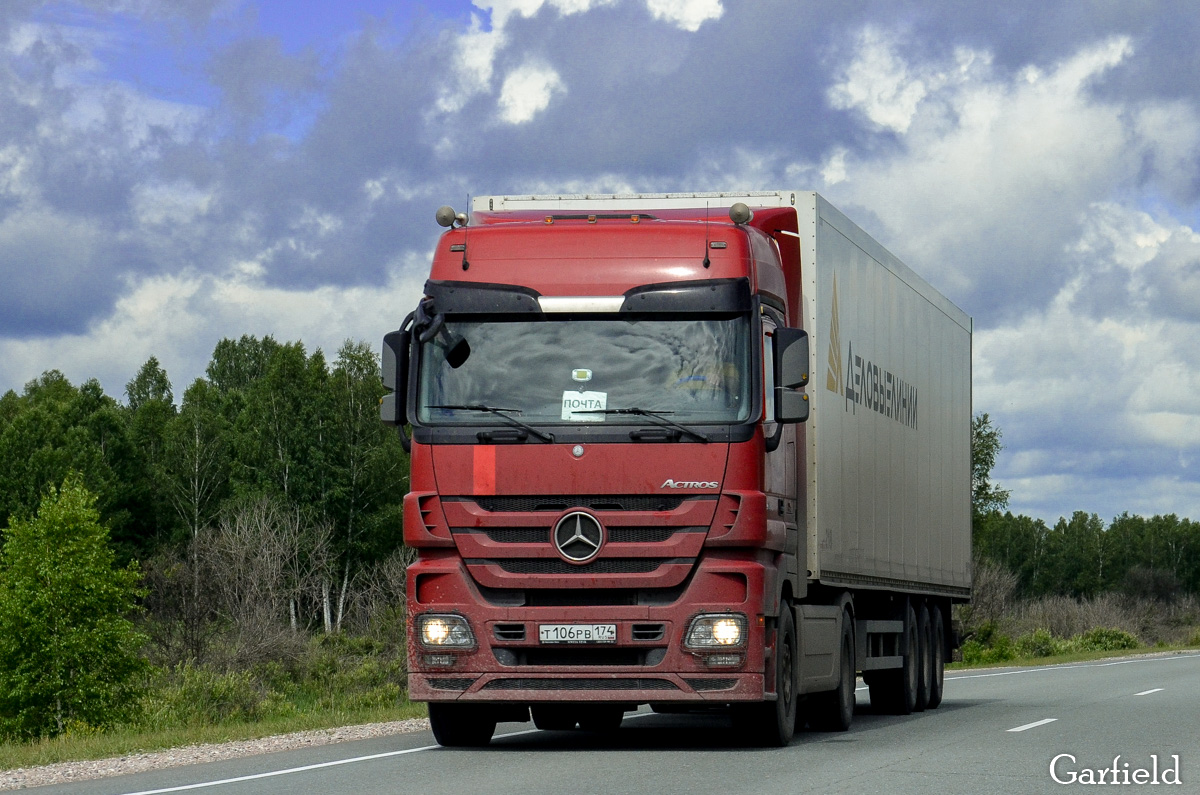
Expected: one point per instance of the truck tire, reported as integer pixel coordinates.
(773, 723)
(834, 711)
(894, 691)
(938, 677)
(924, 656)
(554, 717)
(461, 725)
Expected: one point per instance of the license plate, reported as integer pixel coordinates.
(577, 633)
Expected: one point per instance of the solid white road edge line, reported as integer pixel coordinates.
(1033, 725)
(334, 763)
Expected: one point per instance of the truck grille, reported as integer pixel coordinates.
(509, 632)
(580, 684)
(702, 685)
(447, 683)
(655, 548)
(617, 535)
(556, 566)
(618, 656)
(562, 502)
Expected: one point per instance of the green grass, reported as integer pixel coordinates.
(1069, 657)
(124, 741)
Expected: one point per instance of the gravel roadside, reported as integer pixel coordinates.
(62, 772)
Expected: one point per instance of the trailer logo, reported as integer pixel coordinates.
(833, 376)
(863, 382)
(578, 537)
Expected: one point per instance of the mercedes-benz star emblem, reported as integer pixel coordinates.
(578, 536)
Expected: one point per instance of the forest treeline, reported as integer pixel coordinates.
(272, 440)
(253, 528)
(1082, 557)
(1079, 557)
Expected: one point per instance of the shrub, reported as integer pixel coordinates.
(1039, 643)
(69, 655)
(993, 648)
(1104, 639)
(191, 695)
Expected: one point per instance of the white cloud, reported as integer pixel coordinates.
(987, 162)
(475, 56)
(687, 15)
(1023, 189)
(1103, 374)
(880, 84)
(477, 50)
(170, 205)
(180, 318)
(527, 91)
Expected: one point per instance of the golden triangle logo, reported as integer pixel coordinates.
(834, 381)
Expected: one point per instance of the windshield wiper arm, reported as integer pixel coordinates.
(658, 415)
(501, 413)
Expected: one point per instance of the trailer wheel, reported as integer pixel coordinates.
(554, 717)
(773, 723)
(461, 725)
(834, 711)
(924, 656)
(895, 691)
(938, 678)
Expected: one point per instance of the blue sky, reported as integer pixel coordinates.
(172, 173)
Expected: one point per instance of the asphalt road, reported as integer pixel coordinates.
(997, 731)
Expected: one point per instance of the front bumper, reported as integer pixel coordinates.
(646, 664)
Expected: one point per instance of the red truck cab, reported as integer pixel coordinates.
(606, 434)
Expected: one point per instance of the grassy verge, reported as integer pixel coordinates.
(324, 682)
(1069, 657)
(122, 741)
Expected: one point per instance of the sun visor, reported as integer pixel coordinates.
(707, 295)
(478, 298)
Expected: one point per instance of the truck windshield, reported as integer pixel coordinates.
(562, 372)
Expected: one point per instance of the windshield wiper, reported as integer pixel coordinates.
(658, 415)
(502, 414)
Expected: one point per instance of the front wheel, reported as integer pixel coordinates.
(773, 723)
(462, 725)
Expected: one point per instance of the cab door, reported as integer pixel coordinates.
(779, 470)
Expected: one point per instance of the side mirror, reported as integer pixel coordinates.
(791, 374)
(393, 407)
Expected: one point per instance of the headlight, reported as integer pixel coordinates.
(444, 632)
(717, 631)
